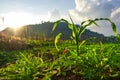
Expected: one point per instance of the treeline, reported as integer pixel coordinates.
(43, 31)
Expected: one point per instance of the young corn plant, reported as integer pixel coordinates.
(26, 68)
(118, 38)
(77, 31)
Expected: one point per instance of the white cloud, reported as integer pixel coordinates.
(54, 15)
(86, 5)
(115, 16)
(115, 13)
(90, 9)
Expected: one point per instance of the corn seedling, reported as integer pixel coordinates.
(77, 31)
(118, 38)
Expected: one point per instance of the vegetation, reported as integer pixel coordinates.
(43, 32)
(118, 38)
(77, 31)
(40, 60)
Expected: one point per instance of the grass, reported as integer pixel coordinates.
(99, 61)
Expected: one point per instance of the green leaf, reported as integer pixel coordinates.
(71, 20)
(55, 25)
(82, 43)
(114, 75)
(73, 38)
(70, 26)
(56, 40)
(95, 23)
(73, 35)
(74, 27)
(112, 24)
(90, 22)
(64, 21)
(57, 22)
(118, 38)
(114, 28)
(83, 22)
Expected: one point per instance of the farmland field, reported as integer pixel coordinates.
(43, 62)
(25, 58)
(60, 40)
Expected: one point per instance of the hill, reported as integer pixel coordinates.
(43, 31)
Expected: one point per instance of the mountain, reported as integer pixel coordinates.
(44, 31)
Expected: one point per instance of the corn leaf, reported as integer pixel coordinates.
(55, 25)
(112, 24)
(83, 22)
(70, 26)
(57, 22)
(82, 43)
(71, 20)
(73, 38)
(63, 20)
(56, 40)
(118, 38)
(114, 28)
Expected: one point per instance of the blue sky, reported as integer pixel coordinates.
(23, 12)
(35, 6)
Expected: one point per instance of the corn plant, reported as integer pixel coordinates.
(77, 31)
(26, 68)
(118, 38)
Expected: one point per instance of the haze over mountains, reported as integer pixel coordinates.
(44, 31)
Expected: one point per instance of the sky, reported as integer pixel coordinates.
(23, 12)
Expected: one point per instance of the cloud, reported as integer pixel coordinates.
(54, 15)
(115, 16)
(90, 9)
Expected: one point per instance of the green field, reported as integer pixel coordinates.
(43, 62)
(71, 59)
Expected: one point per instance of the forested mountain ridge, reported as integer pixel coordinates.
(44, 31)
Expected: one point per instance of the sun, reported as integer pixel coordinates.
(17, 19)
